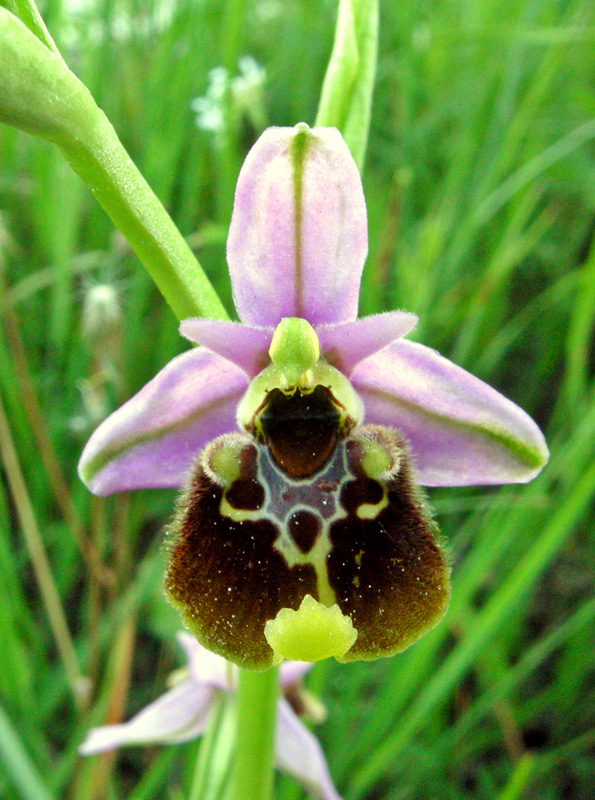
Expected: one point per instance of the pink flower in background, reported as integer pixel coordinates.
(184, 711)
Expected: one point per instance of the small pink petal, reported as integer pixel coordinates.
(152, 440)
(204, 667)
(291, 672)
(298, 236)
(177, 716)
(461, 431)
(299, 754)
(246, 346)
(345, 344)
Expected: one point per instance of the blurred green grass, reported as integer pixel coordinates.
(481, 199)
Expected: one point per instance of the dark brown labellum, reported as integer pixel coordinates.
(307, 512)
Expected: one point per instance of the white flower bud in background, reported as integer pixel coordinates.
(94, 406)
(267, 10)
(247, 91)
(228, 101)
(83, 22)
(421, 37)
(209, 108)
(101, 330)
(102, 316)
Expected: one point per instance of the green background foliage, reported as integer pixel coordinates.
(481, 200)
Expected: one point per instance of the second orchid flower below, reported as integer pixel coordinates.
(302, 532)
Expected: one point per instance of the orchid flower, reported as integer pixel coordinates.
(302, 532)
(183, 713)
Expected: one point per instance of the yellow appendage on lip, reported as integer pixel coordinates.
(311, 633)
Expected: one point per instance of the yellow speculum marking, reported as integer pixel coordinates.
(316, 557)
(237, 514)
(371, 510)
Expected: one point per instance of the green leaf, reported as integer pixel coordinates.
(19, 767)
(346, 98)
(41, 96)
(27, 12)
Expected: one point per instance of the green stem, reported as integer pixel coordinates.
(106, 168)
(27, 12)
(346, 97)
(257, 696)
(41, 96)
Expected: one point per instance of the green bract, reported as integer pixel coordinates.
(40, 95)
